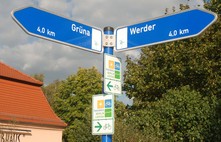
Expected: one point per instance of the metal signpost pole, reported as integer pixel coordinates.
(107, 50)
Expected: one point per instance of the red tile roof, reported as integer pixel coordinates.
(9, 72)
(22, 102)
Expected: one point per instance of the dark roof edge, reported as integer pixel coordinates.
(34, 81)
(34, 124)
(21, 81)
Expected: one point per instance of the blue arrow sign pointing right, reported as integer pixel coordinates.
(169, 28)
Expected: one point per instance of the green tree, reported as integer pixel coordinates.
(157, 81)
(39, 77)
(50, 90)
(195, 62)
(214, 5)
(181, 115)
(185, 115)
(73, 101)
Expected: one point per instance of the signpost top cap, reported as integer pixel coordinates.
(108, 28)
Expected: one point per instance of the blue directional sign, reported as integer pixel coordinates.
(49, 26)
(169, 28)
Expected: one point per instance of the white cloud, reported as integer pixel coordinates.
(49, 58)
(57, 6)
(26, 66)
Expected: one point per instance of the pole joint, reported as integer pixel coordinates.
(108, 40)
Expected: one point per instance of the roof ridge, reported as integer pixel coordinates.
(31, 79)
(37, 120)
(32, 117)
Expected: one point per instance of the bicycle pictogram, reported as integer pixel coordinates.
(107, 126)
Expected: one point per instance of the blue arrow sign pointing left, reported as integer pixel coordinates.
(168, 28)
(49, 26)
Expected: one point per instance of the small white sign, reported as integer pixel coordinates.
(102, 107)
(112, 86)
(102, 114)
(112, 75)
(96, 39)
(101, 127)
(122, 38)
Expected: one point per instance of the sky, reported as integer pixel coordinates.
(33, 55)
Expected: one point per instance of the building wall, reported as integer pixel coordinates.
(36, 134)
(25, 114)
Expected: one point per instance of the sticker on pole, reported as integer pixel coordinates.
(102, 114)
(112, 75)
(101, 127)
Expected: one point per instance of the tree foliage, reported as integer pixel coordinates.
(176, 87)
(73, 104)
(51, 89)
(195, 62)
(39, 77)
(181, 115)
(213, 5)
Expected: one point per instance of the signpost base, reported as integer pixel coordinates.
(106, 138)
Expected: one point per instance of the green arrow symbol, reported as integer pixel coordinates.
(98, 126)
(109, 85)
